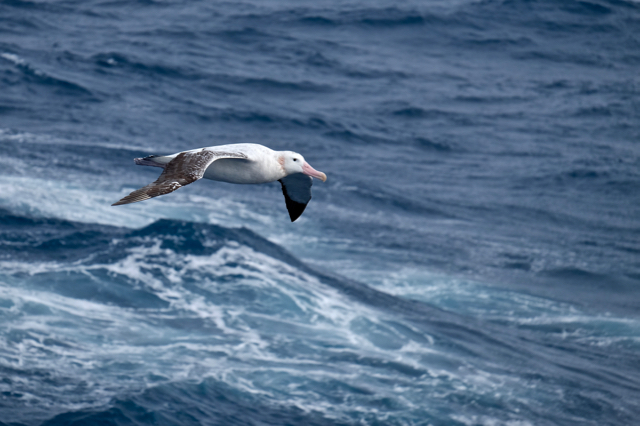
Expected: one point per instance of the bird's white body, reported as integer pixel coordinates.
(244, 163)
(262, 164)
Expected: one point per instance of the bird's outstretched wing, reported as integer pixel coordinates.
(185, 168)
(297, 193)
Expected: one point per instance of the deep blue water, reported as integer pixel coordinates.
(473, 258)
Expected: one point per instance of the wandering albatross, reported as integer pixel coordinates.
(236, 163)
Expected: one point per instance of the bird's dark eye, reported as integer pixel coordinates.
(295, 159)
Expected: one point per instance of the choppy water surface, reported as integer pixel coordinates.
(471, 260)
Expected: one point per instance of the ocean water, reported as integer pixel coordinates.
(472, 259)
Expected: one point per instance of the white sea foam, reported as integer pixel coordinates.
(243, 311)
(474, 420)
(244, 350)
(7, 134)
(89, 201)
(13, 58)
(518, 309)
(244, 341)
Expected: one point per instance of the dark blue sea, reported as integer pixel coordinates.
(472, 259)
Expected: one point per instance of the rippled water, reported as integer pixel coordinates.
(472, 258)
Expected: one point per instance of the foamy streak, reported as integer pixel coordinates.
(88, 197)
(244, 338)
(61, 199)
(43, 139)
(13, 58)
(499, 305)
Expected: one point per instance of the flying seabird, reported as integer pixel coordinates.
(237, 163)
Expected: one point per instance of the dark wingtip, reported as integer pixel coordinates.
(134, 197)
(295, 209)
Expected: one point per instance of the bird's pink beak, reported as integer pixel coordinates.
(310, 171)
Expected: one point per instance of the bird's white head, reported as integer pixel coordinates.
(292, 162)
